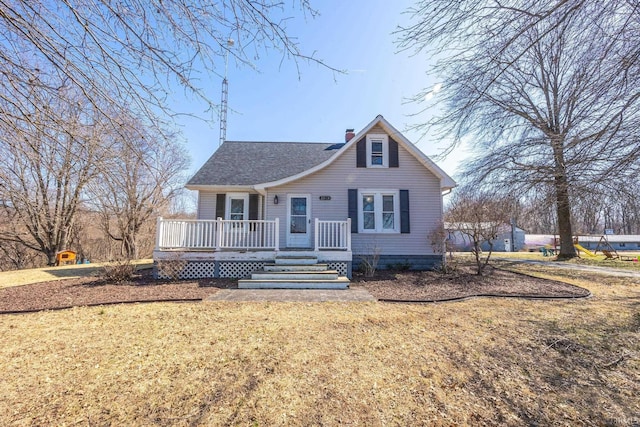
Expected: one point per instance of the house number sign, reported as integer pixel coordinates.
(325, 197)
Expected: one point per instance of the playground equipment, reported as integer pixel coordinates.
(65, 257)
(607, 250)
(581, 248)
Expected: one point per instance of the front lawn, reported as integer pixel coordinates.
(480, 361)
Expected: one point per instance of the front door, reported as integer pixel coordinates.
(299, 221)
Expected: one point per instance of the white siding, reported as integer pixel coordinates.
(206, 205)
(425, 200)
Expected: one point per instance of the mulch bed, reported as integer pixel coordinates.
(385, 285)
(423, 286)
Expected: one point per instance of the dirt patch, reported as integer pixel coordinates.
(385, 285)
(461, 283)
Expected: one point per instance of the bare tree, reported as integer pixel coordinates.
(479, 217)
(70, 70)
(547, 91)
(136, 182)
(50, 149)
(134, 53)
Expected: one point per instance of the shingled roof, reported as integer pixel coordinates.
(251, 163)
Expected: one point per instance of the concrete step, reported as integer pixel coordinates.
(288, 275)
(297, 260)
(295, 267)
(339, 283)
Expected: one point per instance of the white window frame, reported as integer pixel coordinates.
(243, 196)
(377, 200)
(374, 137)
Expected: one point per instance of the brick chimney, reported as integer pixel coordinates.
(349, 134)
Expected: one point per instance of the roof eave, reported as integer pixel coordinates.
(225, 188)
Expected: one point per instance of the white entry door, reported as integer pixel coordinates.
(299, 221)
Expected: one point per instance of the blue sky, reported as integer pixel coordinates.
(276, 104)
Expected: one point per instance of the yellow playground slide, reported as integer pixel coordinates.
(583, 249)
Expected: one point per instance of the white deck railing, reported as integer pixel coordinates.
(217, 234)
(332, 234)
(250, 234)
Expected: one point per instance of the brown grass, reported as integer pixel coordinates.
(45, 274)
(477, 362)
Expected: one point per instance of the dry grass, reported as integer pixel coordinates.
(477, 362)
(45, 274)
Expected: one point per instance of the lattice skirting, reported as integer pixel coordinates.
(342, 267)
(238, 269)
(182, 269)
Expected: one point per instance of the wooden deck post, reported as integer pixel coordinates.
(158, 232)
(219, 226)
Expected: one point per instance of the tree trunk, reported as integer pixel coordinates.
(563, 205)
(51, 258)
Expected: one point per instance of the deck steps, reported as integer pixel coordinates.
(288, 275)
(297, 260)
(295, 267)
(295, 272)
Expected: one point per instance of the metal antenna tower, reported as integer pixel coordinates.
(225, 96)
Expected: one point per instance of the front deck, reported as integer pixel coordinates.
(196, 249)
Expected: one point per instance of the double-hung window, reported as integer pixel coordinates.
(377, 151)
(379, 211)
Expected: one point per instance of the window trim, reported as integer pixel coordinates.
(242, 196)
(384, 138)
(378, 206)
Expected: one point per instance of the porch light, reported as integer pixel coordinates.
(275, 199)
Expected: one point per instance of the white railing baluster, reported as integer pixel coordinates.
(332, 234)
(246, 234)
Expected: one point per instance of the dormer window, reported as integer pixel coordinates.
(377, 151)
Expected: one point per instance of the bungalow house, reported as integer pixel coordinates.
(375, 197)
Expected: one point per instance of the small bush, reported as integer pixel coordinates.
(400, 266)
(450, 267)
(369, 261)
(120, 271)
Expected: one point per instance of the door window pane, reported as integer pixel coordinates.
(298, 224)
(298, 215)
(299, 206)
(237, 210)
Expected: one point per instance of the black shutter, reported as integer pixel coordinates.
(393, 153)
(353, 209)
(404, 212)
(253, 210)
(253, 206)
(361, 153)
(221, 198)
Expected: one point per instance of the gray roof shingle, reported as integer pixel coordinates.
(250, 163)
